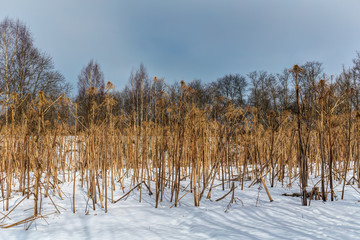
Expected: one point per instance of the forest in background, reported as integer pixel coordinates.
(26, 74)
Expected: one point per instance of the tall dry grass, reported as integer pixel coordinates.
(179, 143)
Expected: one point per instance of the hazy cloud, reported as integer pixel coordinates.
(183, 39)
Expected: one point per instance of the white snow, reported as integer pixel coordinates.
(251, 217)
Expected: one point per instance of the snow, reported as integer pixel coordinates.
(252, 216)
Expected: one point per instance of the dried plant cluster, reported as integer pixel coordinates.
(177, 143)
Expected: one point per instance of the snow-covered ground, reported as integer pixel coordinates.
(251, 217)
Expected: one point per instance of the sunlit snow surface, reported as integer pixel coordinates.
(251, 217)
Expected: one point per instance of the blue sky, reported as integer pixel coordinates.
(187, 39)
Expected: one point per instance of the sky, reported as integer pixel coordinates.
(190, 39)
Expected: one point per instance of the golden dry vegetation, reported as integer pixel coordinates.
(181, 144)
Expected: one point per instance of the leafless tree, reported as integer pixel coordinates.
(24, 70)
(285, 94)
(91, 87)
(262, 92)
(136, 95)
(233, 87)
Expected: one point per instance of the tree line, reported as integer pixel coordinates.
(27, 73)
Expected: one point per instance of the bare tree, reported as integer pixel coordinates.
(9, 41)
(91, 87)
(313, 72)
(285, 94)
(24, 70)
(233, 87)
(136, 95)
(262, 92)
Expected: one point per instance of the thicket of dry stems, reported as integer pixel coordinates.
(181, 143)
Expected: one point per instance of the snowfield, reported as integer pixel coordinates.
(252, 216)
